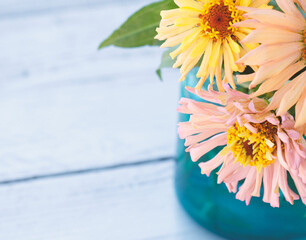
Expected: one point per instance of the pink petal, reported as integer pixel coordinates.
(190, 140)
(299, 148)
(302, 171)
(302, 4)
(227, 170)
(278, 80)
(208, 96)
(190, 106)
(270, 35)
(300, 110)
(267, 181)
(278, 96)
(292, 158)
(292, 95)
(252, 107)
(283, 184)
(289, 8)
(256, 192)
(207, 167)
(244, 193)
(301, 187)
(269, 52)
(293, 134)
(232, 187)
(200, 149)
(275, 17)
(245, 78)
(273, 68)
(273, 120)
(270, 176)
(251, 128)
(186, 129)
(280, 156)
(235, 94)
(240, 174)
(250, 23)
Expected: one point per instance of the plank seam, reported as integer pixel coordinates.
(85, 171)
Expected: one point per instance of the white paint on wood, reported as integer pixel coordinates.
(74, 126)
(17, 8)
(65, 106)
(128, 204)
(63, 46)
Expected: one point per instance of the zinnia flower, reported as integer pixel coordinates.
(261, 148)
(204, 29)
(280, 56)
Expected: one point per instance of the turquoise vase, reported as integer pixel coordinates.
(217, 210)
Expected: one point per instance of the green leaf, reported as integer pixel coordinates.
(140, 28)
(166, 62)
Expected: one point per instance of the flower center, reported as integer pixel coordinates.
(218, 17)
(254, 149)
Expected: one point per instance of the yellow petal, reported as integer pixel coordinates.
(186, 21)
(190, 39)
(231, 58)
(215, 54)
(204, 65)
(234, 46)
(200, 48)
(188, 3)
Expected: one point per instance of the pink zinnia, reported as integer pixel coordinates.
(280, 56)
(260, 147)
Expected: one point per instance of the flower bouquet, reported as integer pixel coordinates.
(242, 65)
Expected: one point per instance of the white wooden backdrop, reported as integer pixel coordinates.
(87, 137)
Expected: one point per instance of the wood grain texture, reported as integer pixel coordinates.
(128, 204)
(81, 120)
(66, 106)
(62, 46)
(19, 8)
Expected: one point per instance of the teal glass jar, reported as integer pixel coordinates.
(213, 207)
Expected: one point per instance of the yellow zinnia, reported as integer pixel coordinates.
(204, 29)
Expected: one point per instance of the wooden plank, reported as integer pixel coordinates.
(15, 8)
(65, 106)
(62, 46)
(129, 203)
(64, 128)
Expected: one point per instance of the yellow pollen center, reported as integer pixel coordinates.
(254, 149)
(218, 18)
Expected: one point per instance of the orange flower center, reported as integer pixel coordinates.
(218, 17)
